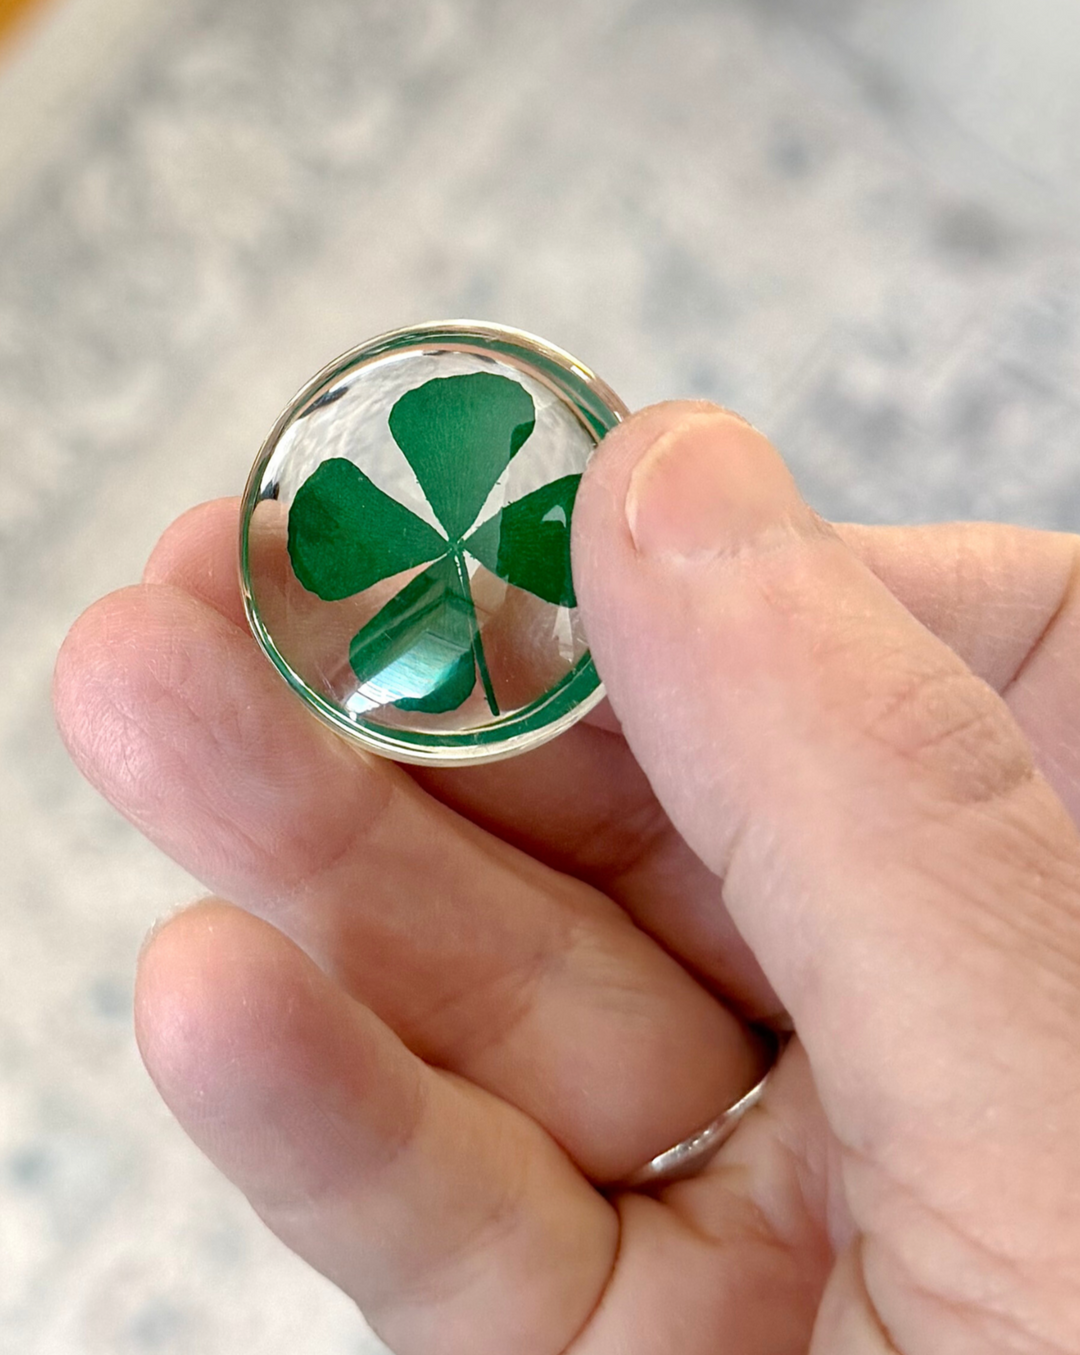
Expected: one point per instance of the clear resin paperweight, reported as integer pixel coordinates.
(405, 542)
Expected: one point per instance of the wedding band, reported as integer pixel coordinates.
(690, 1156)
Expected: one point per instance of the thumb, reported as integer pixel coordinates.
(907, 880)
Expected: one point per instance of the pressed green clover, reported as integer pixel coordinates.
(459, 434)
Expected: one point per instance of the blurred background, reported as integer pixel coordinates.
(853, 220)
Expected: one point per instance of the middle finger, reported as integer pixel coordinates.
(530, 983)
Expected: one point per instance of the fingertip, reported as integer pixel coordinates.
(674, 491)
(188, 940)
(198, 554)
(201, 992)
(688, 480)
(196, 557)
(91, 652)
(628, 441)
(136, 652)
(231, 1016)
(707, 488)
(292, 1088)
(684, 480)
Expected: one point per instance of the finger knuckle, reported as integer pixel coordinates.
(951, 729)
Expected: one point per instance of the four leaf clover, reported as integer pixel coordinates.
(459, 434)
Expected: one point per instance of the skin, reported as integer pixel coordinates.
(443, 1013)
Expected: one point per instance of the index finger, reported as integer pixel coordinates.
(582, 803)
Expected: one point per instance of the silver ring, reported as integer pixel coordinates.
(690, 1156)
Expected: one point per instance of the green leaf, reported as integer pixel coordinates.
(345, 534)
(417, 651)
(527, 543)
(455, 688)
(459, 433)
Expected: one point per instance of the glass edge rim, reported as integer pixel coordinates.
(381, 343)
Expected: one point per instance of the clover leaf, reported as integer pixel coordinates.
(423, 649)
(345, 534)
(527, 543)
(429, 628)
(459, 434)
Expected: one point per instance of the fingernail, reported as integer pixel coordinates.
(707, 486)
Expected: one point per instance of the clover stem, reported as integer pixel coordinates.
(478, 644)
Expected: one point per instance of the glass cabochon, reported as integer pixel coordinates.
(405, 542)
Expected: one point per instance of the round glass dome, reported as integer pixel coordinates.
(405, 542)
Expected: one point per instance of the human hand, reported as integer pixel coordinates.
(461, 1000)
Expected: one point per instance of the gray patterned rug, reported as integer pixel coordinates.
(852, 220)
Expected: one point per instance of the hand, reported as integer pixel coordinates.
(459, 1001)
